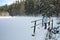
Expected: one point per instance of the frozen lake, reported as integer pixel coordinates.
(19, 28)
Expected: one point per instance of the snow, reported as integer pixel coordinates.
(19, 28)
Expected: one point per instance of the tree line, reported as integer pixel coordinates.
(33, 7)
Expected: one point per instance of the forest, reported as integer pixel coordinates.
(33, 8)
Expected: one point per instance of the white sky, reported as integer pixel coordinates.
(3, 2)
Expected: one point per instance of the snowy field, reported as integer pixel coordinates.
(19, 28)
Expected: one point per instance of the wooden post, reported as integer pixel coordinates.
(34, 27)
(52, 23)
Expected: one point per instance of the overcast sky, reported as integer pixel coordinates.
(3, 2)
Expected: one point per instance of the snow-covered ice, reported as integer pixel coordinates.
(19, 28)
